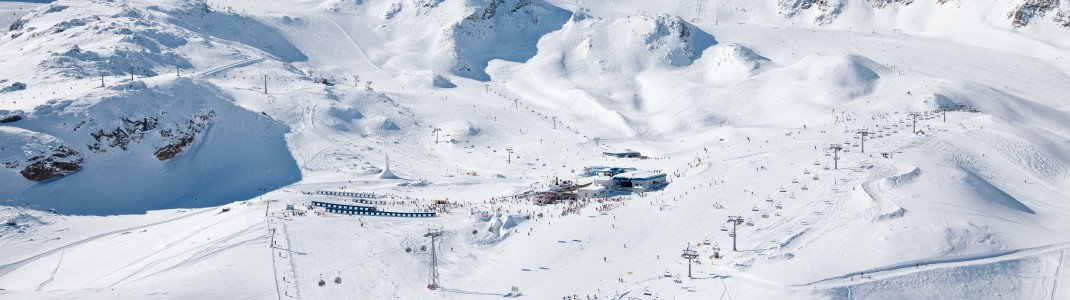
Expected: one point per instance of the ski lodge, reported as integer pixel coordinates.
(626, 153)
(628, 182)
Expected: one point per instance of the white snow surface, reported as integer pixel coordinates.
(196, 123)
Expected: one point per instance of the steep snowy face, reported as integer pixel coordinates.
(502, 29)
(134, 142)
(103, 130)
(625, 46)
(1020, 12)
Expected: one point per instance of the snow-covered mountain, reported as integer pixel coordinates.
(134, 122)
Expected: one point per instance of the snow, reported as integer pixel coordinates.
(195, 126)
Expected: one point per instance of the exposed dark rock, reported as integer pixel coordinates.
(183, 137)
(62, 162)
(1030, 9)
(10, 119)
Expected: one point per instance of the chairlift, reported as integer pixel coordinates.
(754, 208)
(765, 215)
(322, 283)
(768, 199)
(816, 178)
(806, 172)
(750, 223)
(724, 228)
(792, 196)
(794, 180)
(338, 279)
(782, 190)
(804, 188)
(779, 206)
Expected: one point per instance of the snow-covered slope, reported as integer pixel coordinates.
(181, 131)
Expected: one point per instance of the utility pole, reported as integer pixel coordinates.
(265, 83)
(510, 158)
(436, 130)
(915, 126)
(101, 80)
(863, 133)
(434, 234)
(943, 109)
(735, 220)
(689, 255)
(836, 148)
(597, 142)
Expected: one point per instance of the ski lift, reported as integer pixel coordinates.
(754, 208)
(804, 188)
(765, 215)
(816, 178)
(724, 228)
(794, 180)
(817, 163)
(322, 283)
(338, 279)
(750, 223)
(779, 206)
(768, 199)
(806, 172)
(782, 190)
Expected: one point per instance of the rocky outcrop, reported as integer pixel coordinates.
(176, 137)
(1031, 9)
(828, 10)
(37, 156)
(182, 138)
(61, 162)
